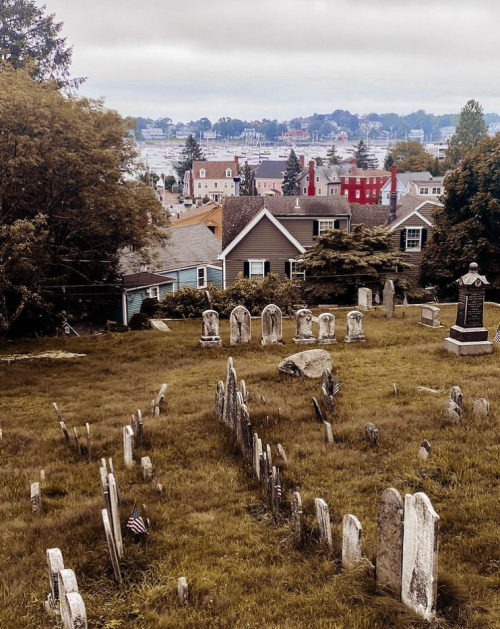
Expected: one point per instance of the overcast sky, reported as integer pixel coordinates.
(252, 59)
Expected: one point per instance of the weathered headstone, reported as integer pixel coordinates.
(364, 299)
(317, 411)
(139, 430)
(308, 364)
(230, 399)
(420, 556)
(390, 518)
(355, 331)
(272, 325)
(328, 432)
(257, 453)
(210, 329)
(424, 450)
(42, 476)
(160, 326)
(388, 299)
(67, 585)
(128, 446)
(77, 441)
(453, 408)
(323, 518)
(481, 407)
(327, 397)
(297, 518)
(282, 455)
(371, 434)
(326, 334)
(115, 515)
(65, 433)
(352, 552)
(182, 590)
(76, 612)
(243, 390)
(36, 498)
(304, 334)
(469, 336)
(111, 546)
(430, 316)
(55, 563)
(240, 326)
(160, 399)
(58, 414)
(89, 442)
(219, 400)
(262, 399)
(147, 469)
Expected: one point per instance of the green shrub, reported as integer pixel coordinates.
(139, 321)
(150, 306)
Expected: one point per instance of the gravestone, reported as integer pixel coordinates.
(65, 433)
(89, 442)
(323, 518)
(160, 399)
(147, 469)
(303, 321)
(243, 390)
(210, 329)
(371, 434)
(388, 299)
(42, 476)
(219, 400)
(481, 407)
(115, 515)
(76, 612)
(230, 408)
(317, 411)
(182, 590)
(326, 396)
(257, 453)
(297, 518)
(240, 326)
(128, 446)
(420, 556)
(308, 364)
(453, 409)
(272, 325)
(55, 563)
(328, 432)
(355, 332)
(36, 498)
(326, 334)
(469, 337)
(161, 326)
(352, 534)
(111, 545)
(77, 441)
(139, 430)
(390, 518)
(364, 299)
(282, 455)
(67, 585)
(424, 450)
(430, 316)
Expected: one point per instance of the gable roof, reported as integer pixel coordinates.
(214, 170)
(369, 215)
(411, 202)
(330, 173)
(239, 211)
(264, 213)
(197, 212)
(271, 169)
(133, 281)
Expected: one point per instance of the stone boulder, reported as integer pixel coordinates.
(308, 364)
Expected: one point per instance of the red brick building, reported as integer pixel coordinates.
(363, 186)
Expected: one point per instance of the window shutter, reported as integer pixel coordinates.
(336, 224)
(287, 269)
(246, 269)
(315, 228)
(267, 267)
(424, 238)
(402, 242)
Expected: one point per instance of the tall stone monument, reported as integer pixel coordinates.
(469, 337)
(210, 329)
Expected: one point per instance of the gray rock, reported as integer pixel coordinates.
(308, 364)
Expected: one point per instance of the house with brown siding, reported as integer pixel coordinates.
(261, 236)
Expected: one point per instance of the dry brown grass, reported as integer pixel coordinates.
(211, 525)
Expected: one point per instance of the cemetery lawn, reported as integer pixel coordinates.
(212, 525)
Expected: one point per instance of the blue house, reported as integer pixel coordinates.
(138, 286)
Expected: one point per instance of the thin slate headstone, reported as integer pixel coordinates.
(219, 400)
(272, 325)
(89, 442)
(115, 516)
(210, 329)
(303, 321)
(371, 434)
(328, 432)
(388, 299)
(230, 399)
(65, 433)
(323, 518)
(243, 390)
(257, 453)
(352, 534)
(36, 498)
(139, 430)
(77, 441)
(240, 326)
(147, 469)
(297, 518)
(420, 556)
(424, 450)
(128, 446)
(282, 454)
(317, 411)
(182, 591)
(326, 334)
(58, 414)
(327, 397)
(355, 331)
(111, 546)
(390, 520)
(160, 400)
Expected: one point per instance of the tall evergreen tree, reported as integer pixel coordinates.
(389, 161)
(333, 158)
(471, 129)
(364, 159)
(247, 186)
(190, 153)
(319, 161)
(293, 172)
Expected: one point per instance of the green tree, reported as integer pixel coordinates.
(169, 182)
(410, 157)
(28, 35)
(339, 260)
(333, 158)
(467, 228)
(319, 161)
(364, 159)
(389, 161)
(190, 153)
(293, 172)
(66, 168)
(471, 129)
(247, 187)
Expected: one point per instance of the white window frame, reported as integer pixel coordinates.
(256, 276)
(199, 184)
(229, 172)
(358, 181)
(414, 239)
(324, 226)
(436, 191)
(357, 194)
(294, 274)
(346, 180)
(203, 173)
(203, 277)
(423, 190)
(154, 292)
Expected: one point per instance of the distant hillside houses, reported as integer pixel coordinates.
(153, 133)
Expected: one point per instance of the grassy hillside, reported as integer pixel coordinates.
(212, 525)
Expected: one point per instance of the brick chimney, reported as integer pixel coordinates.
(302, 161)
(311, 190)
(237, 163)
(394, 195)
(354, 166)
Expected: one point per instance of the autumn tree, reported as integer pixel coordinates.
(471, 129)
(291, 177)
(68, 182)
(409, 157)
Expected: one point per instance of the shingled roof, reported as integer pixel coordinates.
(215, 170)
(369, 215)
(410, 202)
(239, 211)
(271, 169)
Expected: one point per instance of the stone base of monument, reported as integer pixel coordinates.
(472, 348)
(430, 325)
(468, 335)
(211, 342)
(354, 339)
(301, 341)
(267, 342)
(327, 341)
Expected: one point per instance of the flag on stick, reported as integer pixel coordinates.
(136, 523)
(496, 339)
(336, 387)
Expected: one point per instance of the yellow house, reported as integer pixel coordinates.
(209, 214)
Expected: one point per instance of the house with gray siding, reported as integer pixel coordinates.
(265, 235)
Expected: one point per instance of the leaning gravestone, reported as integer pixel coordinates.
(453, 409)
(424, 450)
(430, 316)
(219, 400)
(326, 334)
(323, 518)
(327, 390)
(469, 337)
(115, 515)
(67, 585)
(308, 364)
(304, 321)
(365, 298)
(55, 563)
(388, 299)
(182, 590)
(230, 401)
(328, 432)
(352, 534)
(420, 556)
(128, 446)
(210, 329)
(390, 518)
(161, 326)
(240, 326)
(355, 330)
(272, 325)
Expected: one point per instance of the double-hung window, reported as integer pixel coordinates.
(423, 191)
(413, 239)
(295, 272)
(202, 276)
(154, 292)
(256, 269)
(325, 226)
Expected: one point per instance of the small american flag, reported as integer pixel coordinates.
(436, 300)
(336, 387)
(377, 298)
(136, 523)
(277, 486)
(496, 339)
(405, 301)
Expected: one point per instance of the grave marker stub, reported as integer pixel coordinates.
(388, 299)
(210, 329)
(323, 518)
(182, 590)
(147, 469)
(271, 325)
(77, 614)
(390, 517)
(430, 316)
(240, 326)
(297, 517)
(351, 541)
(36, 498)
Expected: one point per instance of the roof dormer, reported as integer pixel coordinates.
(229, 173)
(203, 173)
